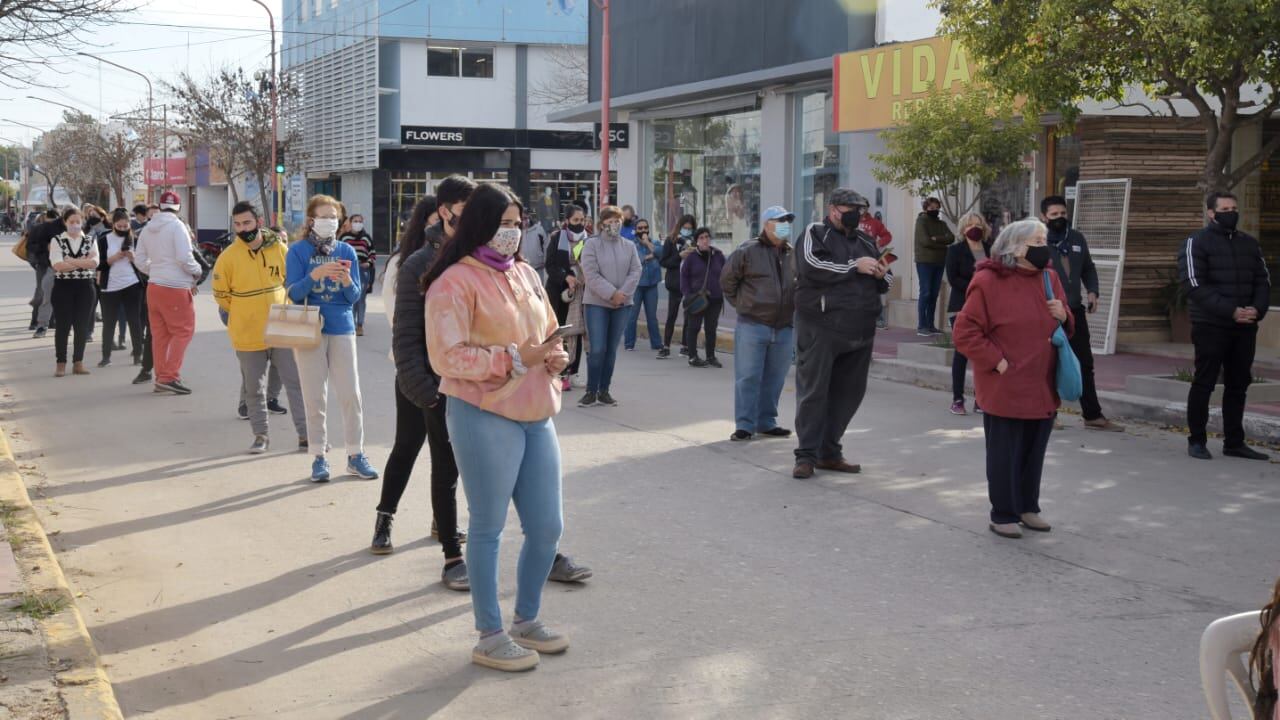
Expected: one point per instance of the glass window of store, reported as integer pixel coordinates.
(551, 190)
(707, 166)
(818, 158)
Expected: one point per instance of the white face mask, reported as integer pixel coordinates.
(74, 229)
(506, 241)
(325, 227)
(357, 227)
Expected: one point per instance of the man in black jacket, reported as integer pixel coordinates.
(1226, 279)
(839, 281)
(1074, 264)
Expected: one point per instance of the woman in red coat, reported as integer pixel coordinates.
(1005, 329)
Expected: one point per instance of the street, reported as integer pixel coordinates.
(219, 585)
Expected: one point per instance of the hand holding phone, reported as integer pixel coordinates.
(560, 332)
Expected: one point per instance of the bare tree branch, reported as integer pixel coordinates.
(45, 29)
(566, 86)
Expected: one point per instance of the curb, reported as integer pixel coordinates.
(1118, 404)
(82, 682)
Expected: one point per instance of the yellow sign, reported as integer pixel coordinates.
(875, 89)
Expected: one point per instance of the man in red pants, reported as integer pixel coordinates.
(165, 253)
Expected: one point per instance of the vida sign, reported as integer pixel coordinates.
(876, 89)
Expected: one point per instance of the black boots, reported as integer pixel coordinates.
(382, 535)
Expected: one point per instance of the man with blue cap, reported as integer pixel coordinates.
(759, 282)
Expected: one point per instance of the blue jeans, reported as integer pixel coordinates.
(500, 461)
(366, 279)
(604, 331)
(761, 358)
(930, 284)
(648, 297)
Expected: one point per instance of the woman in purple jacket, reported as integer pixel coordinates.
(699, 272)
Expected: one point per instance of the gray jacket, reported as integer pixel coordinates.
(610, 265)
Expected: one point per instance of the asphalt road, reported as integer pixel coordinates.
(219, 585)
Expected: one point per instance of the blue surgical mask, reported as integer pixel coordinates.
(783, 230)
(686, 233)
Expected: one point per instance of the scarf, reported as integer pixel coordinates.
(494, 259)
(323, 247)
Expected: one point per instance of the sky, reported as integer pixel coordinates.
(161, 39)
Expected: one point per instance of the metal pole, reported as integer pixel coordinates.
(603, 195)
(275, 114)
(151, 115)
(164, 144)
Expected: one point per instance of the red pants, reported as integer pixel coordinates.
(172, 313)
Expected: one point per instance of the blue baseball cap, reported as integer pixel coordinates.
(777, 212)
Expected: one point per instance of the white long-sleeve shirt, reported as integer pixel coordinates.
(165, 253)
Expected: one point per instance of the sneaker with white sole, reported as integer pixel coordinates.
(533, 635)
(500, 652)
(319, 470)
(360, 466)
(455, 577)
(260, 445)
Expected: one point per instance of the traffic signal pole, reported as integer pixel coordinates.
(275, 119)
(603, 195)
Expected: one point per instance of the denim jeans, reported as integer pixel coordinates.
(761, 358)
(604, 332)
(500, 461)
(366, 279)
(648, 297)
(930, 284)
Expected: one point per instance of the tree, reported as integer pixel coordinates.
(230, 114)
(953, 141)
(1208, 53)
(65, 157)
(566, 85)
(44, 29)
(116, 163)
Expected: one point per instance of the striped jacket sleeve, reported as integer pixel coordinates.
(1193, 273)
(815, 266)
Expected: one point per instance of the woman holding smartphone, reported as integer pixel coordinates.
(321, 271)
(490, 322)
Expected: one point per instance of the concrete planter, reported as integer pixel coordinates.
(1166, 387)
(925, 354)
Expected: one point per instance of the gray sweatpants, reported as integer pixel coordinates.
(42, 298)
(334, 359)
(273, 382)
(253, 368)
(831, 380)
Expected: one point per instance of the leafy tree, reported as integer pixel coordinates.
(951, 141)
(66, 155)
(1208, 53)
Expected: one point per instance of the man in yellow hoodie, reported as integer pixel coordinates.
(247, 280)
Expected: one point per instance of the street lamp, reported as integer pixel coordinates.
(151, 112)
(275, 114)
(55, 102)
(603, 197)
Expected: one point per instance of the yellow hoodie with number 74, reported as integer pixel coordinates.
(246, 283)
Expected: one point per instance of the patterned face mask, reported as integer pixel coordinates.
(506, 241)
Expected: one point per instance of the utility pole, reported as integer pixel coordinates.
(275, 116)
(151, 115)
(602, 197)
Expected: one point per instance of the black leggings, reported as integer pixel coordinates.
(73, 302)
(711, 317)
(673, 310)
(123, 306)
(415, 425)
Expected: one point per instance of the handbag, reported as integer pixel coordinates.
(697, 303)
(294, 326)
(1069, 379)
(21, 249)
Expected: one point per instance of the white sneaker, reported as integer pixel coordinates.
(577, 382)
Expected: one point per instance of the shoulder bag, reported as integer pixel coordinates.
(697, 303)
(21, 248)
(294, 326)
(1070, 381)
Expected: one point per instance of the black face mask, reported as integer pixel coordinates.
(576, 227)
(1057, 225)
(94, 220)
(933, 213)
(1227, 220)
(628, 223)
(248, 235)
(1038, 255)
(850, 220)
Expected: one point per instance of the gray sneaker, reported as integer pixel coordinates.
(260, 445)
(564, 570)
(533, 635)
(501, 653)
(455, 578)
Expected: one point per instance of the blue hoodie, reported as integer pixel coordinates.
(331, 297)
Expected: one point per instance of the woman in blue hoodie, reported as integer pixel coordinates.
(320, 271)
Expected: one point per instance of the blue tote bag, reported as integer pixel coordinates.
(1070, 380)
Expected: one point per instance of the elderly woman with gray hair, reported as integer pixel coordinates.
(1004, 329)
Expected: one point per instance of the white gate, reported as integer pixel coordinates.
(1102, 214)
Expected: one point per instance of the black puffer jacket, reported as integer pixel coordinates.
(829, 291)
(671, 261)
(1222, 270)
(414, 375)
(960, 265)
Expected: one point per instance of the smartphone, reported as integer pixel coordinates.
(560, 332)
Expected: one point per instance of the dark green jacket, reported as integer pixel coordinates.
(932, 238)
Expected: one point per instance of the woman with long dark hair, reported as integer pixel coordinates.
(678, 246)
(75, 263)
(121, 289)
(490, 337)
(1264, 660)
